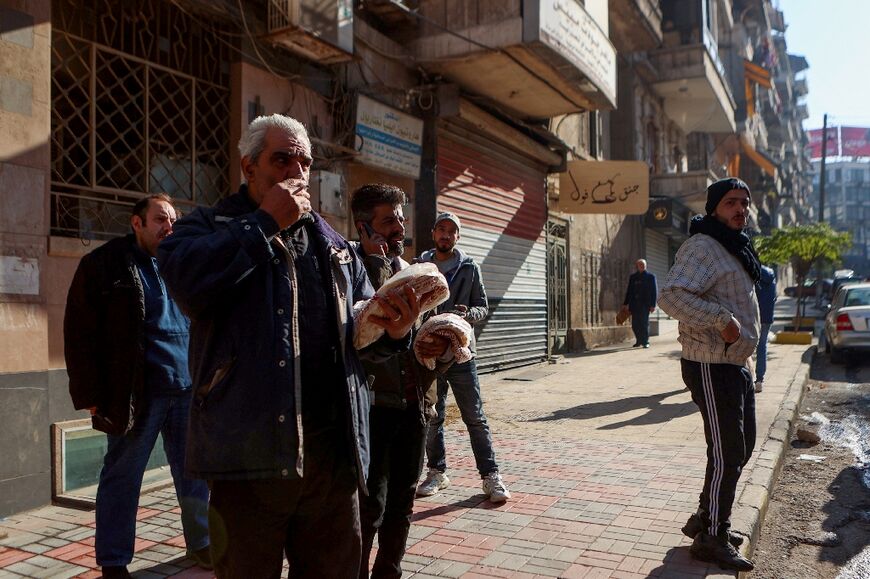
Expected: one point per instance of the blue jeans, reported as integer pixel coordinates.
(121, 480)
(462, 379)
(761, 353)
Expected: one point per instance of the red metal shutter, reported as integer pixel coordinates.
(502, 204)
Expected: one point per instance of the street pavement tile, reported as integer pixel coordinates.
(485, 572)
(70, 552)
(11, 556)
(40, 567)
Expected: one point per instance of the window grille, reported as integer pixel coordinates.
(140, 104)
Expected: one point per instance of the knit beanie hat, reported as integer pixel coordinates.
(716, 191)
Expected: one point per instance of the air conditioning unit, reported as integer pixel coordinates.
(319, 30)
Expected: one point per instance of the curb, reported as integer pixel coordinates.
(751, 505)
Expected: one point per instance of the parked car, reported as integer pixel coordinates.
(809, 289)
(839, 281)
(847, 324)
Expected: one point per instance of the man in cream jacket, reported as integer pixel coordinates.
(711, 291)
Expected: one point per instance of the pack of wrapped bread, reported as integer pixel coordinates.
(427, 282)
(449, 326)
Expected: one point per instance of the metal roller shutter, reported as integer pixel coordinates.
(657, 254)
(502, 204)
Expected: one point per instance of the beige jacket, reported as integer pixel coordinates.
(705, 288)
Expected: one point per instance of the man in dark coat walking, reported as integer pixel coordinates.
(640, 300)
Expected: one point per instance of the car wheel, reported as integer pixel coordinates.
(827, 343)
(837, 355)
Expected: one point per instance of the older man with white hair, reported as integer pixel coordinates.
(279, 420)
(640, 300)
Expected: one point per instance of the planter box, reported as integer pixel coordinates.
(795, 338)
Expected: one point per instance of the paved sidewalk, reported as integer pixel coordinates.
(604, 453)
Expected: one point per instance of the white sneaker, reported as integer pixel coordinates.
(435, 482)
(759, 386)
(495, 488)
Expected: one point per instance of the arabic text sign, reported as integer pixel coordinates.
(617, 187)
(815, 137)
(571, 31)
(390, 139)
(855, 141)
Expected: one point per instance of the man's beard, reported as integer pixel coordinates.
(444, 246)
(396, 248)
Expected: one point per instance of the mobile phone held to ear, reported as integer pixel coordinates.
(369, 231)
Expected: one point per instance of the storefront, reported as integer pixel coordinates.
(500, 197)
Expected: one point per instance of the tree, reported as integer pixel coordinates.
(803, 246)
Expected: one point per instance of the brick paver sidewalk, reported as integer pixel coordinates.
(603, 453)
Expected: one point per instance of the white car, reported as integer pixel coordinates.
(847, 324)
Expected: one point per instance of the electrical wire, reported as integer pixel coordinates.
(254, 44)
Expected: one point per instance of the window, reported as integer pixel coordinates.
(140, 104)
(858, 297)
(78, 451)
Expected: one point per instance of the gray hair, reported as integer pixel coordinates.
(643, 261)
(254, 138)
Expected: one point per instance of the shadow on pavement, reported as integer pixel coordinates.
(601, 352)
(656, 411)
(847, 526)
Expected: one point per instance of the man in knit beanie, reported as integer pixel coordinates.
(711, 291)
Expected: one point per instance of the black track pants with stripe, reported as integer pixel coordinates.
(725, 396)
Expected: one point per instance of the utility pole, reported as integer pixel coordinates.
(822, 175)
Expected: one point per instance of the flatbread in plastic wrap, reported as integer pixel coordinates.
(427, 282)
(449, 326)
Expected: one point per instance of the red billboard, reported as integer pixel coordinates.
(815, 136)
(855, 141)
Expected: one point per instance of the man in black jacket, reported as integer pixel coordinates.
(402, 390)
(279, 423)
(125, 343)
(640, 300)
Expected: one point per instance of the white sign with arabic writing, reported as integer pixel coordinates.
(616, 187)
(570, 30)
(390, 139)
(19, 275)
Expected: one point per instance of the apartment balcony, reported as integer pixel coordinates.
(539, 59)
(635, 25)
(689, 187)
(693, 84)
(800, 87)
(319, 30)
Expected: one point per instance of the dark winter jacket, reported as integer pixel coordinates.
(237, 281)
(641, 293)
(386, 378)
(104, 336)
(466, 288)
(765, 289)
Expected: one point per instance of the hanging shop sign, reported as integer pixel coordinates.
(616, 187)
(388, 138)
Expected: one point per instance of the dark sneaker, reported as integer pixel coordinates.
(202, 558)
(694, 526)
(715, 550)
(116, 573)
